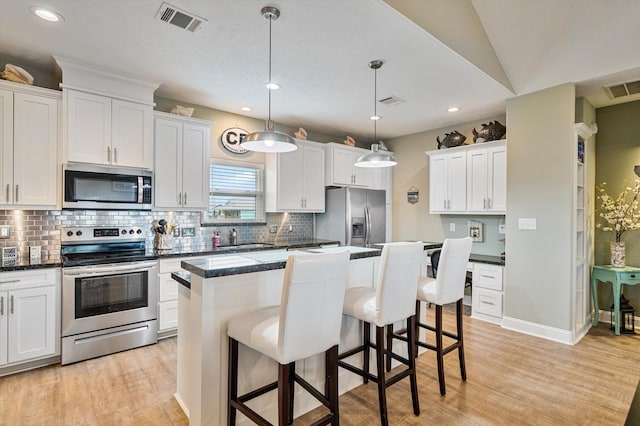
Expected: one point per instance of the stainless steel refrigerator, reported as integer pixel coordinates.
(354, 216)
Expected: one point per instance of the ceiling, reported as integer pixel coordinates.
(474, 54)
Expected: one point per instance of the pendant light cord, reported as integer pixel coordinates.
(375, 109)
(270, 89)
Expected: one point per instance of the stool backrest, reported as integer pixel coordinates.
(452, 270)
(311, 305)
(398, 278)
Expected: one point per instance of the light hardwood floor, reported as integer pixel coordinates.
(512, 379)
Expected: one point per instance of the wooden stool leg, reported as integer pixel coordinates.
(459, 316)
(411, 347)
(284, 393)
(232, 381)
(439, 355)
(367, 345)
(389, 346)
(382, 391)
(292, 383)
(331, 372)
(417, 326)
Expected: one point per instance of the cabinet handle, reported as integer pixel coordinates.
(488, 203)
(184, 199)
(444, 204)
(9, 281)
(179, 197)
(448, 204)
(17, 192)
(7, 193)
(1, 306)
(108, 154)
(305, 203)
(115, 155)
(487, 303)
(11, 303)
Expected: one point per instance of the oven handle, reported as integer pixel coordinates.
(102, 269)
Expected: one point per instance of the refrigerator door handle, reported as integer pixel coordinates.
(367, 225)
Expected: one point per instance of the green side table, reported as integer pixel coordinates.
(629, 275)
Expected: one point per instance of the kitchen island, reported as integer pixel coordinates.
(220, 287)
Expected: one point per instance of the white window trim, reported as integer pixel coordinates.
(260, 203)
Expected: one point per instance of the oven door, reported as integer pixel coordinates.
(103, 296)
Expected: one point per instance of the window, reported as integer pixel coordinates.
(236, 192)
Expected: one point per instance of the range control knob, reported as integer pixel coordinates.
(139, 231)
(69, 233)
(124, 232)
(131, 231)
(78, 233)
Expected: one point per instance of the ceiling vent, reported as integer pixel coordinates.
(180, 18)
(623, 89)
(391, 100)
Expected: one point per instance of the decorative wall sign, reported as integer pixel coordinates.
(476, 230)
(231, 139)
(413, 195)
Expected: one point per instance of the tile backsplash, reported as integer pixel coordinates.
(42, 227)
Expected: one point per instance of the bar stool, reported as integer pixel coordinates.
(447, 287)
(306, 323)
(391, 301)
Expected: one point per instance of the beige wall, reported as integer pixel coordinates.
(540, 160)
(413, 221)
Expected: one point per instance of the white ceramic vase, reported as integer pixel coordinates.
(617, 255)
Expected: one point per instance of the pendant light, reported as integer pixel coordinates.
(269, 140)
(375, 158)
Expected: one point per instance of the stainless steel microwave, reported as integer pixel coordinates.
(108, 188)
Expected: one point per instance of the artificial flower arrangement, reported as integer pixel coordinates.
(621, 213)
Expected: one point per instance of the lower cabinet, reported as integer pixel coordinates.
(487, 292)
(168, 295)
(29, 315)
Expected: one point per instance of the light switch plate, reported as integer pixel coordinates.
(502, 229)
(35, 254)
(527, 223)
(452, 227)
(5, 231)
(273, 229)
(188, 232)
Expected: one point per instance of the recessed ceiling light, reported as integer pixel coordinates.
(453, 109)
(273, 86)
(48, 15)
(375, 117)
(245, 108)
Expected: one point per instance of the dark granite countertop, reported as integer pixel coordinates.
(486, 258)
(22, 265)
(257, 262)
(208, 250)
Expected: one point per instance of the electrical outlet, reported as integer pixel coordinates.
(273, 229)
(290, 228)
(502, 229)
(452, 227)
(188, 232)
(35, 254)
(5, 231)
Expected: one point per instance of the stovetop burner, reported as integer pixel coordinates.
(93, 246)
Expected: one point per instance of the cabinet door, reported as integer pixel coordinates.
(314, 179)
(132, 134)
(457, 182)
(6, 147)
(4, 314)
(343, 173)
(290, 183)
(168, 164)
(497, 179)
(35, 150)
(31, 323)
(438, 183)
(477, 181)
(195, 166)
(88, 128)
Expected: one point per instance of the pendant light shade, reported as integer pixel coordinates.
(269, 140)
(375, 158)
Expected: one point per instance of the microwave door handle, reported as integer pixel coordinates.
(140, 189)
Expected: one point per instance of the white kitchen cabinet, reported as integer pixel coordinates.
(487, 292)
(487, 178)
(181, 162)
(29, 134)
(29, 315)
(108, 131)
(340, 169)
(447, 181)
(295, 180)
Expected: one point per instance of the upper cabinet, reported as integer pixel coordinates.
(29, 134)
(181, 162)
(487, 179)
(295, 180)
(107, 116)
(102, 130)
(468, 179)
(341, 171)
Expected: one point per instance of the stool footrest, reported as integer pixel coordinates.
(256, 393)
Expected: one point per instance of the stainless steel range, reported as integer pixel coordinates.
(109, 292)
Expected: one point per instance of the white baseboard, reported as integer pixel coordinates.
(539, 330)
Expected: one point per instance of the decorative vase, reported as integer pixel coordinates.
(617, 255)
